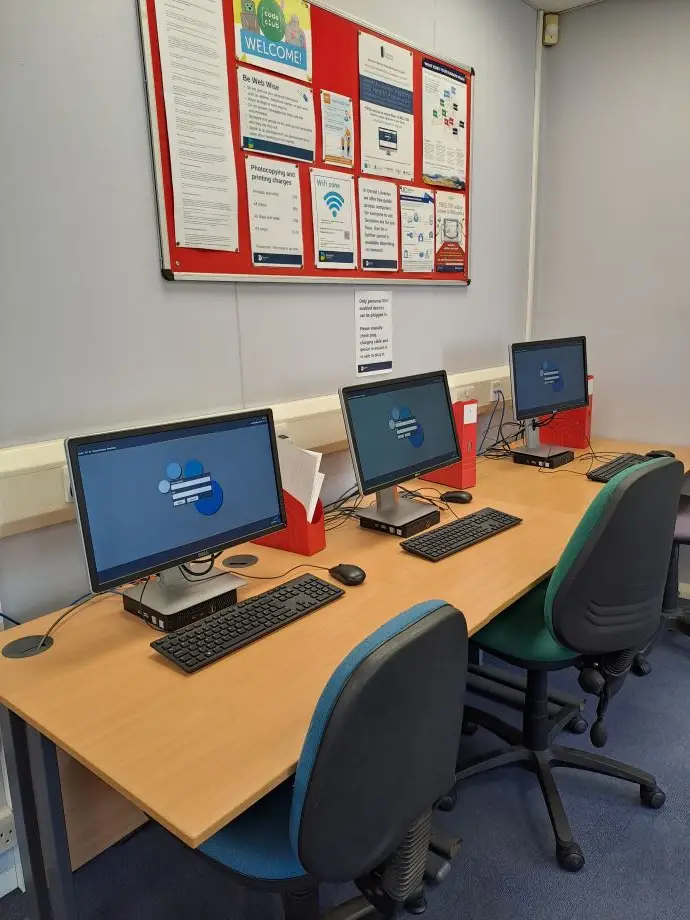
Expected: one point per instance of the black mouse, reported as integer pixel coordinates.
(348, 574)
(661, 453)
(457, 498)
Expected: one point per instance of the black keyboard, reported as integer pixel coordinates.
(217, 635)
(451, 538)
(613, 467)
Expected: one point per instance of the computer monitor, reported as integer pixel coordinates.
(398, 429)
(548, 377)
(151, 499)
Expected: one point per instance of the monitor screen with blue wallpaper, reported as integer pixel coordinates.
(400, 428)
(549, 376)
(156, 497)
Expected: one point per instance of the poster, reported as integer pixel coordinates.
(333, 212)
(275, 213)
(451, 240)
(385, 108)
(338, 129)
(444, 125)
(276, 116)
(197, 111)
(275, 35)
(378, 225)
(417, 229)
(373, 332)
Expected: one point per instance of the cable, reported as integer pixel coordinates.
(209, 561)
(487, 429)
(78, 603)
(302, 565)
(9, 619)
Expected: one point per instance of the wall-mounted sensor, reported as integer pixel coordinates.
(551, 29)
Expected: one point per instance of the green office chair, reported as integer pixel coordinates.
(380, 751)
(600, 606)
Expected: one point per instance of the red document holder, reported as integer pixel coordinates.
(462, 475)
(299, 536)
(572, 428)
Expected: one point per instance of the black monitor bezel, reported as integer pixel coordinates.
(345, 394)
(536, 411)
(73, 444)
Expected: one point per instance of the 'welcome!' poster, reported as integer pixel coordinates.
(275, 35)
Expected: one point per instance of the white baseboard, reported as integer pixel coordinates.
(32, 476)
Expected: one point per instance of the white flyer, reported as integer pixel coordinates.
(451, 239)
(386, 119)
(338, 129)
(333, 213)
(276, 116)
(417, 229)
(444, 125)
(275, 213)
(197, 110)
(374, 332)
(378, 225)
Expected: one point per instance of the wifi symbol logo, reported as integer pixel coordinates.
(334, 202)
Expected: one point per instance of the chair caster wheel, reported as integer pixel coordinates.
(640, 666)
(652, 796)
(416, 905)
(469, 728)
(570, 857)
(447, 802)
(577, 725)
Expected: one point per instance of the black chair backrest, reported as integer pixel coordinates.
(605, 594)
(382, 744)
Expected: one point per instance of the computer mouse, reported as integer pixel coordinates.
(457, 498)
(348, 574)
(660, 453)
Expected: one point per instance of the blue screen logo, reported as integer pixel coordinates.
(551, 376)
(405, 425)
(191, 486)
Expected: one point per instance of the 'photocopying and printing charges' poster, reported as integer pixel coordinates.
(275, 213)
(385, 108)
(275, 35)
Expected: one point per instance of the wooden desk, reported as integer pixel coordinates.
(194, 751)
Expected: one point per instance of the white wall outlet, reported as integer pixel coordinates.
(7, 835)
(496, 388)
(67, 483)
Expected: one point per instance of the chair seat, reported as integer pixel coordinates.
(682, 532)
(520, 632)
(256, 845)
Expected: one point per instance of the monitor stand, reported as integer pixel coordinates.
(399, 516)
(170, 601)
(548, 456)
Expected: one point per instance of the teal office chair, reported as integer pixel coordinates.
(600, 606)
(380, 751)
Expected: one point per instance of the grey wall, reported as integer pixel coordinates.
(89, 329)
(614, 217)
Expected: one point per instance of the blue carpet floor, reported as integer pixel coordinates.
(506, 869)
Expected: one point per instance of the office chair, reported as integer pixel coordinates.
(601, 604)
(674, 616)
(380, 751)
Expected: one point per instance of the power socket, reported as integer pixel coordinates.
(496, 388)
(7, 835)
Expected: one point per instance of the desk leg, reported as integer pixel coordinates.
(51, 822)
(15, 743)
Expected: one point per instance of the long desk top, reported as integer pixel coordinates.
(194, 751)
